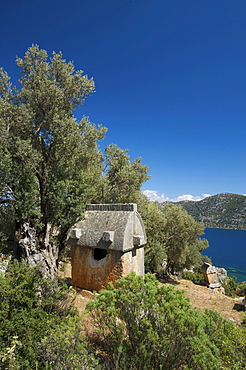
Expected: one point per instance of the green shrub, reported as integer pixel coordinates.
(147, 326)
(195, 277)
(241, 289)
(229, 339)
(230, 287)
(233, 289)
(39, 329)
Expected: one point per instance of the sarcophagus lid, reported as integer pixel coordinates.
(109, 226)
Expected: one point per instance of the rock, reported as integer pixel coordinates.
(211, 277)
(222, 274)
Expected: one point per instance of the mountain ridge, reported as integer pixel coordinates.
(224, 210)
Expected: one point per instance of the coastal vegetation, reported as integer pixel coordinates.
(144, 325)
(173, 236)
(39, 328)
(139, 324)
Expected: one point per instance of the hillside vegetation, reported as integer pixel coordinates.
(225, 210)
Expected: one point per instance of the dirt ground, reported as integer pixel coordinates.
(200, 297)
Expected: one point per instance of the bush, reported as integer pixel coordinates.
(147, 326)
(233, 289)
(241, 289)
(195, 277)
(230, 287)
(229, 339)
(39, 329)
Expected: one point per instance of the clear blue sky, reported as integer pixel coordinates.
(170, 78)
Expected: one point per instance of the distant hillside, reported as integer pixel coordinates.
(227, 211)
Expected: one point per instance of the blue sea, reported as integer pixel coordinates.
(227, 248)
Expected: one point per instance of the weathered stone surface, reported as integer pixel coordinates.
(117, 228)
(92, 274)
(128, 207)
(211, 277)
(106, 245)
(222, 275)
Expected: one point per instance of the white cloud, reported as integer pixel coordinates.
(188, 197)
(153, 195)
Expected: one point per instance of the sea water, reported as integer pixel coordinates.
(227, 248)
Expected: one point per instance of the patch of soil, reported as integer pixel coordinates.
(202, 297)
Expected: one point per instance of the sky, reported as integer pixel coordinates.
(170, 81)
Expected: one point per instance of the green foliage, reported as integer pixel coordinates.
(195, 277)
(147, 326)
(173, 236)
(64, 348)
(154, 222)
(38, 326)
(182, 233)
(230, 287)
(229, 339)
(121, 178)
(7, 230)
(49, 161)
(233, 289)
(142, 325)
(241, 289)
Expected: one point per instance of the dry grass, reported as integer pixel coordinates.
(202, 297)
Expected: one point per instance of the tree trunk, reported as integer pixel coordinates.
(42, 254)
(169, 268)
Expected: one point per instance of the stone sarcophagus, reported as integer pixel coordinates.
(210, 276)
(213, 277)
(106, 245)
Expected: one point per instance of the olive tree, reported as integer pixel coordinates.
(50, 163)
(173, 236)
(121, 179)
(49, 160)
(182, 243)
